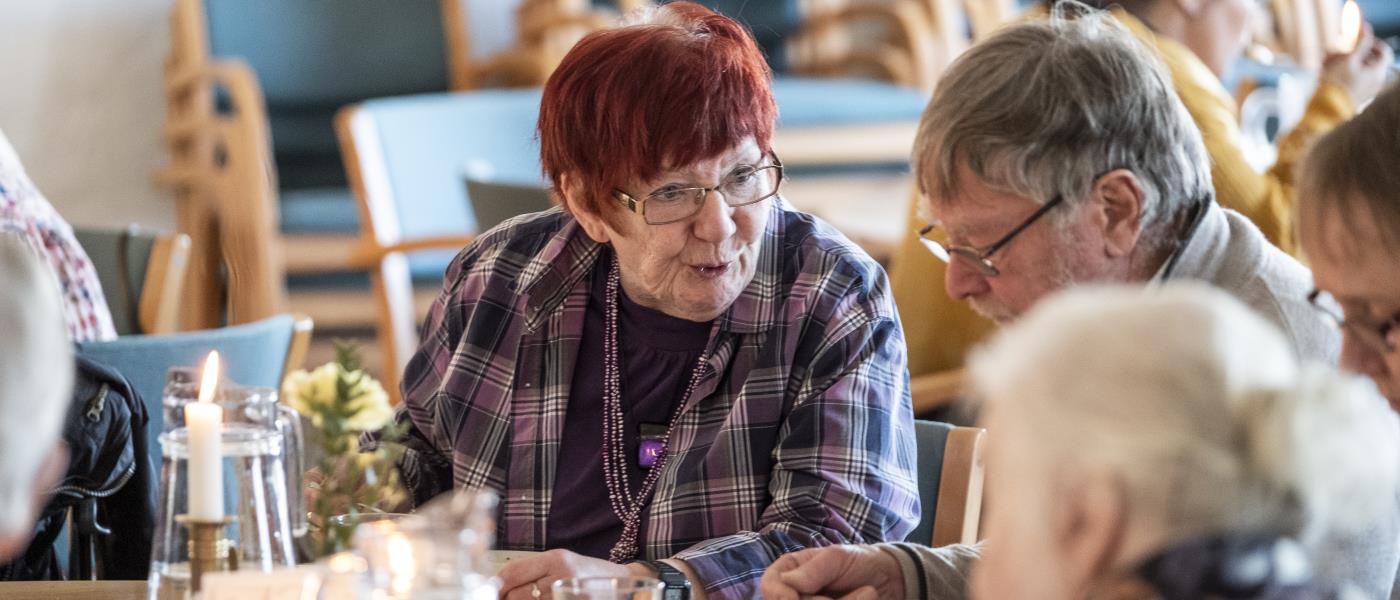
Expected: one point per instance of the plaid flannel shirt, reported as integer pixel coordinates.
(800, 433)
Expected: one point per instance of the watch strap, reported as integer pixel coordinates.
(677, 585)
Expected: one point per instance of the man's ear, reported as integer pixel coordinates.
(572, 193)
(1091, 525)
(1118, 199)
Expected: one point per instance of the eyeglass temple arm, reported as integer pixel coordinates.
(1035, 216)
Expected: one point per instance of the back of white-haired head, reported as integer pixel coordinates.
(36, 376)
(1042, 107)
(1198, 406)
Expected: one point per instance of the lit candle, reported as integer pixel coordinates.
(1351, 26)
(203, 421)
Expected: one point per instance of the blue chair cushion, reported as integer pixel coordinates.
(804, 102)
(431, 143)
(252, 354)
(319, 210)
(931, 437)
(320, 53)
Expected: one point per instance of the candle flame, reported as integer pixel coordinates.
(1351, 25)
(210, 379)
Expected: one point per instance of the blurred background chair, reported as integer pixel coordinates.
(408, 160)
(142, 275)
(257, 354)
(252, 90)
(951, 473)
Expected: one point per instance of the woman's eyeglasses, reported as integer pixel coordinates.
(1383, 338)
(747, 184)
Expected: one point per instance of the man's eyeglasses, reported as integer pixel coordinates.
(980, 257)
(747, 184)
(1383, 338)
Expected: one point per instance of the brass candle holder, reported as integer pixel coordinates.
(209, 550)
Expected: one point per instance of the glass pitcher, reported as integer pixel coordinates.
(257, 494)
(253, 405)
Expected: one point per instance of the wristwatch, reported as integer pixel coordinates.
(677, 586)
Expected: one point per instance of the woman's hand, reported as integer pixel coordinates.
(848, 572)
(520, 578)
(1363, 71)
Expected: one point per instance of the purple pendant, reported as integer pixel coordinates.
(648, 451)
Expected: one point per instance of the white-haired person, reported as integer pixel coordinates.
(36, 378)
(1349, 227)
(1148, 444)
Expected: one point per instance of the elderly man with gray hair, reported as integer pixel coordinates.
(1053, 154)
(36, 378)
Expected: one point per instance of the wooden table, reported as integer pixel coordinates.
(73, 590)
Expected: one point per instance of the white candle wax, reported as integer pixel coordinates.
(204, 427)
(204, 421)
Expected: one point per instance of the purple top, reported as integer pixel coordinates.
(657, 354)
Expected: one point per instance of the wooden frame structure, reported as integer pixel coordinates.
(382, 247)
(958, 517)
(222, 175)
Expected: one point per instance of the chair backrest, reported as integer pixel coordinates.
(314, 54)
(493, 203)
(950, 483)
(407, 159)
(257, 353)
(413, 153)
(142, 275)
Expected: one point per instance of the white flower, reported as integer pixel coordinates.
(370, 404)
(311, 394)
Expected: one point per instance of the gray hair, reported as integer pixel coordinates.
(1042, 107)
(1197, 405)
(36, 376)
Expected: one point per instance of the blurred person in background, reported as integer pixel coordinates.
(1148, 445)
(25, 212)
(36, 378)
(1197, 40)
(1349, 227)
(674, 375)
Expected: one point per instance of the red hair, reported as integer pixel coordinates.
(627, 103)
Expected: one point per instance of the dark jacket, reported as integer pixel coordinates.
(110, 485)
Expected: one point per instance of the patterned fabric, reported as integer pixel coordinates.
(25, 212)
(800, 433)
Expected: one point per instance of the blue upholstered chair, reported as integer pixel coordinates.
(142, 275)
(312, 57)
(950, 483)
(408, 160)
(253, 354)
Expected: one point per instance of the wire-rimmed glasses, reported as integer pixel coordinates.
(745, 185)
(1383, 337)
(980, 257)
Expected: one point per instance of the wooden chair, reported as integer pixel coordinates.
(221, 174)
(408, 160)
(951, 475)
(252, 88)
(142, 276)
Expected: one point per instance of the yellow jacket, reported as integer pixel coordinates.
(940, 330)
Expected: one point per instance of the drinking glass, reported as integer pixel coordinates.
(608, 588)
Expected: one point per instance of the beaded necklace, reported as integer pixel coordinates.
(625, 505)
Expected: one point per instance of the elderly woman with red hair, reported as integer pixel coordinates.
(675, 374)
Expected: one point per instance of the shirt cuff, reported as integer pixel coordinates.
(940, 573)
